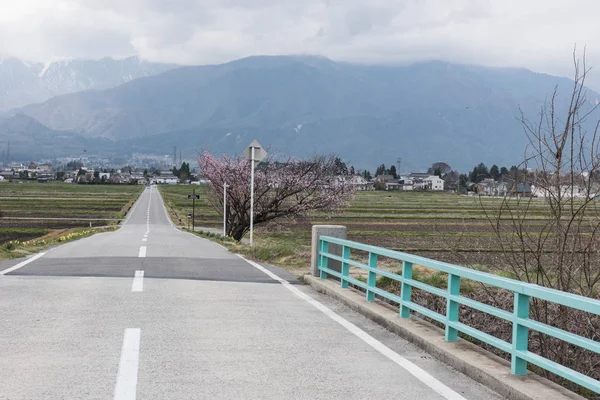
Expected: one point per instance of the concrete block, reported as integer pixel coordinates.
(336, 231)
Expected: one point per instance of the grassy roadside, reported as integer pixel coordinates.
(18, 249)
(287, 250)
(37, 216)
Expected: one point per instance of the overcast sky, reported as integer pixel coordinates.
(536, 34)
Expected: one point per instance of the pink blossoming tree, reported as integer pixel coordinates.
(281, 189)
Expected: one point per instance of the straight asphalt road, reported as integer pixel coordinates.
(151, 312)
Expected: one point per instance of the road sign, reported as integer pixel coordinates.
(193, 196)
(259, 152)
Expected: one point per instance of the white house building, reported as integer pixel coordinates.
(434, 182)
(168, 179)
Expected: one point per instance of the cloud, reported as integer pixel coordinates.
(537, 34)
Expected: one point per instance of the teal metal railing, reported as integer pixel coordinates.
(523, 292)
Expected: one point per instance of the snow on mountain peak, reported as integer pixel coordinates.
(23, 82)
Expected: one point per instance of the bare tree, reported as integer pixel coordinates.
(554, 240)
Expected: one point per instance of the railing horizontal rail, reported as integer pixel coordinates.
(561, 334)
(425, 311)
(519, 318)
(529, 289)
(484, 337)
(497, 312)
(560, 370)
(426, 287)
(479, 306)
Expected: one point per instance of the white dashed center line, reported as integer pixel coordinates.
(142, 252)
(138, 282)
(127, 377)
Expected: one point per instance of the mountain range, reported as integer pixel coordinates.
(302, 105)
(23, 83)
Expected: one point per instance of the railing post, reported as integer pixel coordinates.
(371, 277)
(452, 307)
(336, 231)
(407, 269)
(323, 260)
(345, 266)
(518, 366)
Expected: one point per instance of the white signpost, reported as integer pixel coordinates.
(255, 153)
(225, 186)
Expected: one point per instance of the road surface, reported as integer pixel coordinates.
(151, 312)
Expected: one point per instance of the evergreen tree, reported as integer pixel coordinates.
(341, 166)
(392, 171)
(495, 172)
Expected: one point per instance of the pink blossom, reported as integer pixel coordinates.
(281, 189)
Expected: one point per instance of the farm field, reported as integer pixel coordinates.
(442, 226)
(32, 210)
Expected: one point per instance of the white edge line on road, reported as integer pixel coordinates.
(130, 213)
(413, 369)
(164, 207)
(138, 281)
(201, 238)
(142, 252)
(21, 264)
(126, 386)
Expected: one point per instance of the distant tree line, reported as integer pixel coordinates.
(183, 173)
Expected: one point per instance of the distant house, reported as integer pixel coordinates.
(419, 175)
(387, 182)
(434, 183)
(139, 178)
(406, 183)
(7, 174)
(17, 167)
(521, 189)
(45, 167)
(167, 179)
(487, 187)
(576, 191)
(425, 181)
(360, 183)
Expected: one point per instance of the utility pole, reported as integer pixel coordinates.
(193, 196)
(194, 211)
(175, 156)
(399, 162)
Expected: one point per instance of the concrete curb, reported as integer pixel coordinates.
(478, 364)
